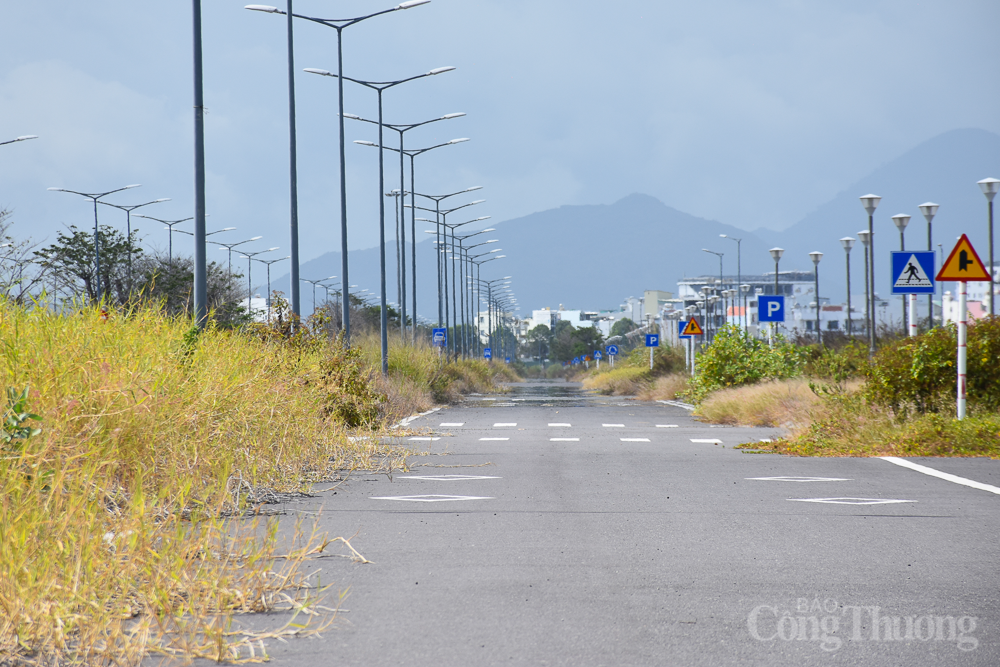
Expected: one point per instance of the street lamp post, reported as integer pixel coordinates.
(739, 267)
(901, 220)
(990, 186)
(248, 257)
(865, 237)
(128, 229)
(268, 263)
(95, 197)
(230, 247)
(848, 243)
(870, 202)
(170, 232)
(402, 129)
(816, 257)
(318, 282)
(379, 87)
(776, 254)
(339, 25)
(929, 209)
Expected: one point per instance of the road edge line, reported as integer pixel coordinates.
(677, 404)
(941, 475)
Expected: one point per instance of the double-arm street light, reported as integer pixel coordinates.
(318, 282)
(229, 248)
(128, 228)
(379, 87)
(249, 256)
(339, 25)
(466, 302)
(170, 232)
(870, 202)
(95, 197)
(402, 129)
(268, 263)
(739, 267)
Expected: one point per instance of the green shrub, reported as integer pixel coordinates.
(735, 358)
(920, 373)
(838, 364)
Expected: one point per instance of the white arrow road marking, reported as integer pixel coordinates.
(707, 441)
(500, 424)
(430, 499)
(634, 439)
(449, 478)
(421, 438)
(941, 475)
(800, 479)
(452, 423)
(851, 501)
(482, 439)
(564, 439)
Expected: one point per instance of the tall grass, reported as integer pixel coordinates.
(114, 540)
(632, 376)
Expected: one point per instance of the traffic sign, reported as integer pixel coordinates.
(963, 264)
(652, 340)
(771, 308)
(439, 337)
(597, 354)
(487, 353)
(506, 360)
(912, 271)
(576, 360)
(681, 324)
(612, 350)
(692, 329)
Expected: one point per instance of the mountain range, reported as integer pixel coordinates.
(592, 257)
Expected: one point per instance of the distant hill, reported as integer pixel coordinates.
(592, 257)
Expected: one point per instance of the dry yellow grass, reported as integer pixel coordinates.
(664, 388)
(788, 403)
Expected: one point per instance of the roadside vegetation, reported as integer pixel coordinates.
(137, 460)
(631, 375)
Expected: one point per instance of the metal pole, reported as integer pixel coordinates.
(97, 254)
(871, 281)
(293, 179)
(345, 309)
(819, 328)
(992, 281)
(454, 302)
(902, 247)
(200, 266)
(868, 308)
(913, 314)
(930, 297)
(381, 242)
(850, 330)
(413, 243)
(402, 242)
(962, 335)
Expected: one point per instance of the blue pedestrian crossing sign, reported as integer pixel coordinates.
(681, 325)
(439, 337)
(487, 353)
(652, 340)
(912, 272)
(576, 360)
(597, 354)
(612, 350)
(771, 308)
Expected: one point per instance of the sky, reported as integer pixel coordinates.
(752, 114)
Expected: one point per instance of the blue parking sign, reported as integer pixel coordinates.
(652, 340)
(771, 308)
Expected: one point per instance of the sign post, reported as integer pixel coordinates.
(911, 274)
(597, 356)
(652, 340)
(963, 265)
(439, 338)
(612, 353)
(690, 330)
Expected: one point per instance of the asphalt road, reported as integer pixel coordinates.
(603, 531)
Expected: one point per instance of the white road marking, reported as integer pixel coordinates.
(423, 439)
(851, 501)
(941, 475)
(564, 439)
(484, 439)
(430, 499)
(678, 404)
(634, 439)
(449, 478)
(800, 479)
(412, 417)
(613, 425)
(707, 441)
(452, 423)
(766, 440)
(558, 424)
(666, 426)
(499, 424)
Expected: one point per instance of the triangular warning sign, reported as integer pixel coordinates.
(963, 264)
(692, 328)
(913, 275)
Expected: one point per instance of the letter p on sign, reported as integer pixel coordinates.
(771, 308)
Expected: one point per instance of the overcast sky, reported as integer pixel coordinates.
(750, 113)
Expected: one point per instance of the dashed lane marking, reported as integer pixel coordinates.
(613, 425)
(666, 426)
(560, 424)
(487, 439)
(423, 439)
(941, 475)
(452, 423)
(430, 499)
(501, 424)
(707, 441)
(634, 439)
(799, 479)
(564, 439)
(851, 501)
(448, 478)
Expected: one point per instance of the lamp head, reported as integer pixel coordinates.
(865, 237)
(449, 116)
(816, 256)
(901, 220)
(458, 141)
(264, 8)
(362, 142)
(929, 209)
(776, 253)
(870, 202)
(321, 72)
(440, 70)
(848, 243)
(411, 3)
(157, 201)
(990, 187)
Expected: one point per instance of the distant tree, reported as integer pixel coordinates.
(72, 260)
(170, 283)
(569, 342)
(20, 275)
(623, 326)
(537, 342)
